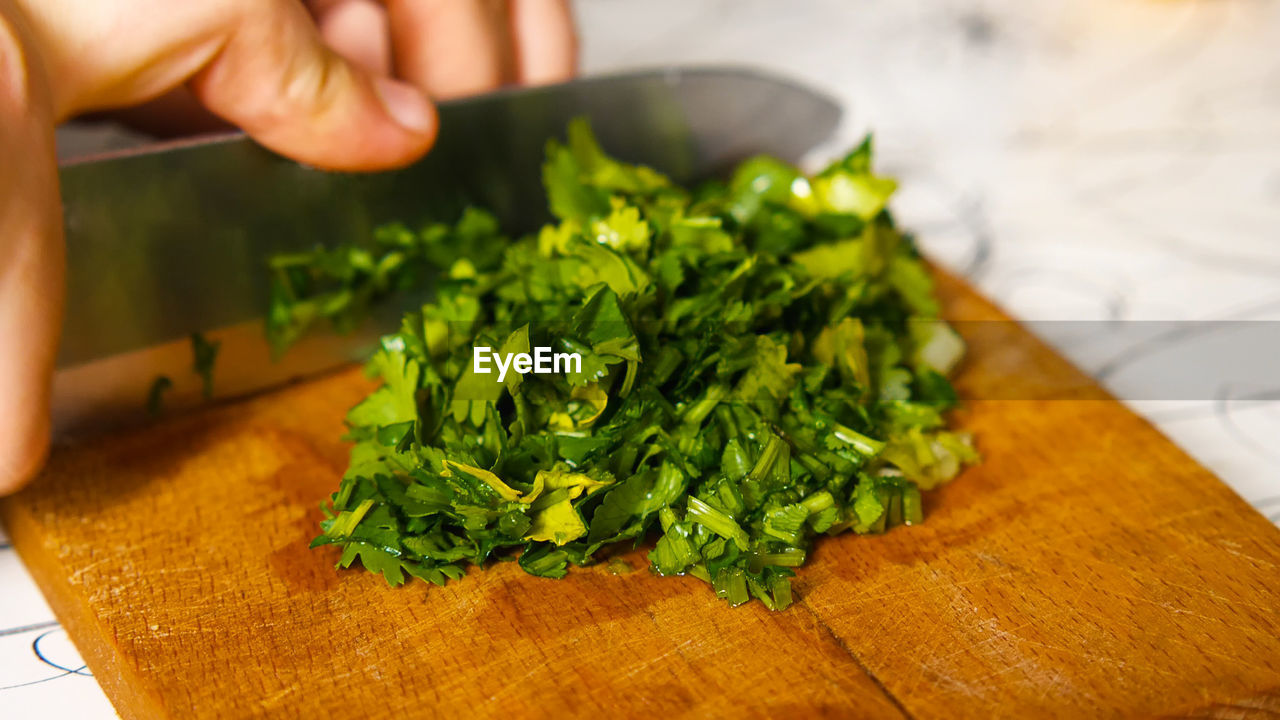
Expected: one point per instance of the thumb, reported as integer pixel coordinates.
(31, 257)
(275, 78)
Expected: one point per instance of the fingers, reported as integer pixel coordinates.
(358, 30)
(546, 46)
(275, 78)
(31, 257)
(451, 48)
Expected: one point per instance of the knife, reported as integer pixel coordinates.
(173, 239)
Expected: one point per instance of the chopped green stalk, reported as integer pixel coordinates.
(863, 444)
(155, 396)
(718, 523)
(700, 571)
(774, 449)
(203, 355)
(912, 509)
(730, 498)
(544, 561)
(675, 551)
(731, 584)
(882, 495)
(699, 410)
(753, 364)
(793, 557)
(666, 518)
(762, 592)
(668, 361)
(894, 514)
(780, 588)
(347, 520)
(818, 502)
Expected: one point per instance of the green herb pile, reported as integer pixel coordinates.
(761, 365)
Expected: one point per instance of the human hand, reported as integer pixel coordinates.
(447, 48)
(308, 88)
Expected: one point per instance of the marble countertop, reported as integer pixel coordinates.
(1107, 167)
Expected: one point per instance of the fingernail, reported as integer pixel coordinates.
(405, 103)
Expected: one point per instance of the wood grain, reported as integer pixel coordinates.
(1088, 568)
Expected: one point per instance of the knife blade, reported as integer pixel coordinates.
(173, 240)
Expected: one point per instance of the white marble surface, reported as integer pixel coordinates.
(1078, 160)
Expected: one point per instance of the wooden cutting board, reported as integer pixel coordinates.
(1088, 568)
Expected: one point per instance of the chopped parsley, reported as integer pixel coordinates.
(761, 365)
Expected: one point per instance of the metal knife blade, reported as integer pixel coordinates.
(171, 241)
